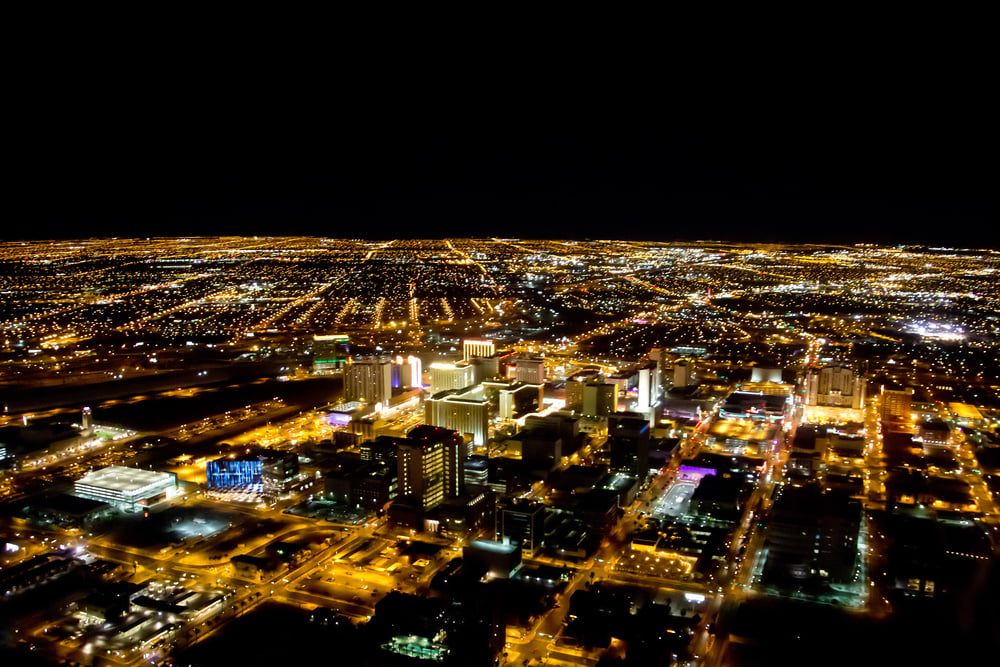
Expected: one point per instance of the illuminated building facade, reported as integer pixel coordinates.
(242, 473)
(330, 353)
(270, 473)
(421, 472)
(682, 373)
(430, 465)
(520, 399)
(598, 399)
(575, 384)
(476, 471)
(649, 388)
(531, 371)
(86, 422)
(451, 376)
(279, 472)
(477, 348)
(464, 411)
(835, 386)
(896, 404)
(765, 374)
(368, 380)
(511, 400)
(129, 489)
(407, 372)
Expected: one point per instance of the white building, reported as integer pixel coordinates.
(682, 373)
(836, 387)
(86, 422)
(451, 376)
(531, 371)
(410, 371)
(649, 388)
(464, 411)
(369, 381)
(129, 489)
(478, 348)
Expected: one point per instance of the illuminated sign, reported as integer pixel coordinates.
(338, 419)
(694, 473)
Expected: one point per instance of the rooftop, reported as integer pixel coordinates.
(498, 547)
(126, 480)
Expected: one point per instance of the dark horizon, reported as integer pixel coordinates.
(826, 177)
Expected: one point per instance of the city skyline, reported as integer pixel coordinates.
(496, 451)
(398, 349)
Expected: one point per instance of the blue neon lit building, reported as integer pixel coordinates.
(244, 474)
(265, 471)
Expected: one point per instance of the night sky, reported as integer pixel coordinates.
(843, 162)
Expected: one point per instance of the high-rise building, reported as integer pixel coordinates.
(682, 373)
(520, 521)
(477, 348)
(624, 381)
(629, 443)
(407, 372)
(896, 403)
(649, 387)
(575, 384)
(431, 465)
(491, 367)
(599, 399)
(330, 352)
(835, 386)
(510, 399)
(520, 399)
(368, 380)
(87, 422)
(380, 450)
(765, 374)
(531, 371)
(574, 395)
(539, 447)
(451, 376)
(568, 428)
(421, 472)
(465, 411)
